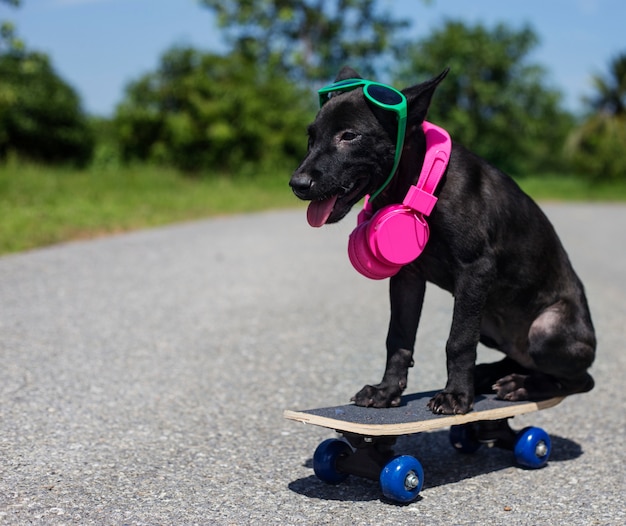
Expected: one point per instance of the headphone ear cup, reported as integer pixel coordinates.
(363, 258)
(397, 235)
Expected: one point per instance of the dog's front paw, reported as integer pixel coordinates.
(451, 403)
(377, 396)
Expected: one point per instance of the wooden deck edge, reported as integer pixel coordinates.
(424, 425)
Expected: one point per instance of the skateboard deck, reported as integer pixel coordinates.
(412, 416)
(370, 434)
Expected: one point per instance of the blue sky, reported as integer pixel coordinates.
(98, 46)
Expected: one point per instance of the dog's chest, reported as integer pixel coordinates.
(435, 268)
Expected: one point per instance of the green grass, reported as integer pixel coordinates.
(41, 205)
(552, 187)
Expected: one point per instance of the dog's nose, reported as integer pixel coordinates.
(301, 182)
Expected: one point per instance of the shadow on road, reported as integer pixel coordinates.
(441, 464)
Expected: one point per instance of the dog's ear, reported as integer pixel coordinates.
(418, 98)
(347, 73)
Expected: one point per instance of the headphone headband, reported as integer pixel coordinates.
(421, 196)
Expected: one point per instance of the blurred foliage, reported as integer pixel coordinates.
(203, 111)
(40, 115)
(309, 40)
(245, 111)
(597, 146)
(493, 100)
(611, 89)
(9, 42)
(8, 36)
(106, 154)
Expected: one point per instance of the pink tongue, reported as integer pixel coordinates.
(318, 211)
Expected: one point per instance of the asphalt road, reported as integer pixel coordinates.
(143, 379)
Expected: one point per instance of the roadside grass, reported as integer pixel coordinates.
(41, 205)
(556, 187)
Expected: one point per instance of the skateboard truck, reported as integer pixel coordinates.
(369, 455)
(531, 445)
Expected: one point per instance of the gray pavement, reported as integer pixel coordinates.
(143, 379)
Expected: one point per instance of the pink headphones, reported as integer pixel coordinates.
(385, 241)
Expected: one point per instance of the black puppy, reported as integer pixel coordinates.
(490, 245)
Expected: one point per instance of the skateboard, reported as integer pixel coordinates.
(369, 435)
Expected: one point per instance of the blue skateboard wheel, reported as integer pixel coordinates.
(325, 460)
(463, 439)
(402, 479)
(532, 447)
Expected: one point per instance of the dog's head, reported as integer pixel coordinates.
(352, 147)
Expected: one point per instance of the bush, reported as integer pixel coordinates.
(596, 148)
(40, 115)
(203, 111)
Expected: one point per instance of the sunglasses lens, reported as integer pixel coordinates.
(384, 95)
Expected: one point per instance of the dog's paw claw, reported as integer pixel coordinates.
(450, 403)
(511, 388)
(376, 396)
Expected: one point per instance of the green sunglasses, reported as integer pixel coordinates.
(384, 97)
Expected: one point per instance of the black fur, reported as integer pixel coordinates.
(490, 245)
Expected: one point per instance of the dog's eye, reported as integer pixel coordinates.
(348, 136)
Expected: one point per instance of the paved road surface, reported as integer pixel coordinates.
(143, 379)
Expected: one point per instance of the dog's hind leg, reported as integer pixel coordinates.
(487, 374)
(561, 345)
(539, 386)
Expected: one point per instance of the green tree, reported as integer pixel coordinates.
(308, 39)
(493, 100)
(202, 111)
(8, 37)
(611, 89)
(597, 146)
(40, 115)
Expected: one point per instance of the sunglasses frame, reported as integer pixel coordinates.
(400, 109)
